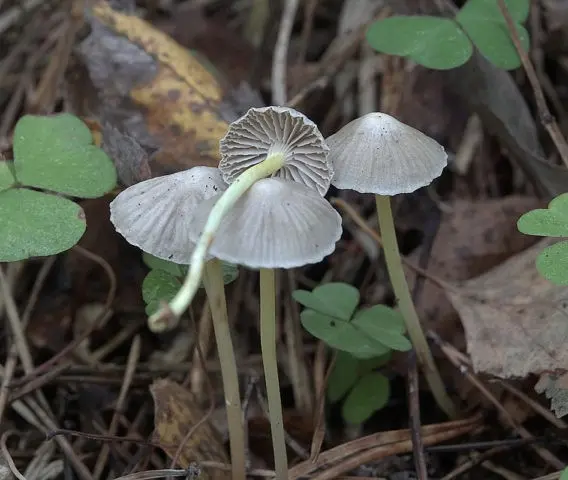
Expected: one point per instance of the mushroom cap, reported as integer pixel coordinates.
(276, 224)
(262, 131)
(378, 154)
(154, 215)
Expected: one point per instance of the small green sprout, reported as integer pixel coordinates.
(53, 156)
(442, 43)
(165, 278)
(552, 262)
(363, 390)
(331, 315)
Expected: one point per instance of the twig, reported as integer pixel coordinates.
(414, 414)
(280, 58)
(131, 363)
(8, 457)
(544, 113)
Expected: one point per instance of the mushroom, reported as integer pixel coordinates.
(378, 154)
(155, 216)
(282, 221)
(276, 224)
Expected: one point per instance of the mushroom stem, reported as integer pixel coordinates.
(215, 289)
(270, 363)
(406, 305)
(159, 320)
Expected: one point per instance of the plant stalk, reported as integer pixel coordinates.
(270, 363)
(406, 305)
(215, 289)
(159, 321)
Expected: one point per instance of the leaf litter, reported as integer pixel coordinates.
(157, 109)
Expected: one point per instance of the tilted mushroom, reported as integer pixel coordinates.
(155, 216)
(379, 154)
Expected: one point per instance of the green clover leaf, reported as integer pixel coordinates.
(158, 286)
(7, 179)
(37, 224)
(342, 377)
(57, 153)
(370, 393)
(437, 43)
(487, 28)
(341, 335)
(547, 222)
(172, 268)
(552, 263)
(333, 299)
(384, 325)
(564, 475)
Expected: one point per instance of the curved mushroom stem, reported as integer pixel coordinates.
(270, 362)
(215, 289)
(162, 319)
(406, 305)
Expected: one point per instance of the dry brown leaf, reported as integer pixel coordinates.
(176, 412)
(473, 237)
(161, 96)
(515, 321)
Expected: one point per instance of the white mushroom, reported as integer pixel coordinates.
(275, 224)
(264, 131)
(378, 154)
(154, 215)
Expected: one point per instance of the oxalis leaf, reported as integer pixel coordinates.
(552, 263)
(158, 286)
(334, 299)
(342, 377)
(547, 222)
(487, 28)
(57, 153)
(370, 393)
(36, 224)
(7, 179)
(342, 335)
(434, 42)
(564, 475)
(383, 324)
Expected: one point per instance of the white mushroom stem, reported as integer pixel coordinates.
(270, 363)
(215, 289)
(159, 321)
(406, 305)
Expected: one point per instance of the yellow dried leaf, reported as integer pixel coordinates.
(176, 412)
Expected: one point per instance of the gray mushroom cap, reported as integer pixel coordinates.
(262, 131)
(155, 215)
(378, 154)
(276, 224)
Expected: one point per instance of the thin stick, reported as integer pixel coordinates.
(268, 348)
(215, 289)
(280, 58)
(406, 305)
(546, 117)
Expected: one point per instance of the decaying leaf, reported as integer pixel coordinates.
(555, 387)
(515, 321)
(472, 238)
(155, 91)
(176, 412)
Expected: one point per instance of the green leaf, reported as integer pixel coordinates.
(547, 222)
(369, 364)
(564, 475)
(57, 153)
(7, 179)
(489, 9)
(334, 299)
(158, 286)
(341, 335)
(370, 393)
(434, 42)
(342, 377)
(552, 263)
(36, 224)
(383, 324)
(487, 28)
(230, 272)
(156, 263)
